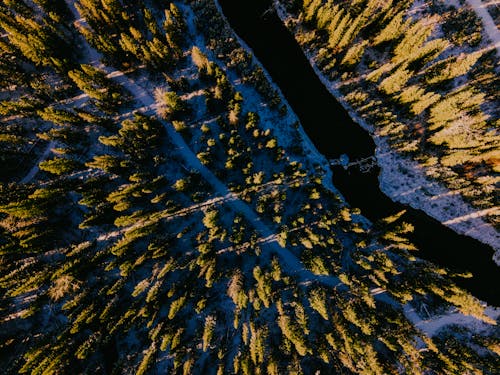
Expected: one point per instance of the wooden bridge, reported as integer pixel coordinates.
(364, 165)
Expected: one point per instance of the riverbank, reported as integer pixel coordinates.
(405, 181)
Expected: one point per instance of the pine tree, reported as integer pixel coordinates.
(208, 331)
(336, 33)
(199, 59)
(311, 8)
(395, 81)
(59, 166)
(328, 14)
(350, 33)
(394, 29)
(96, 85)
(317, 299)
(174, 26)
(451, 68)
(354, 54)
(453, 106)
(170, 104)
(413, 39)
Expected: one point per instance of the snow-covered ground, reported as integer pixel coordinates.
(428, 326)
(405, 181)
(432, 325)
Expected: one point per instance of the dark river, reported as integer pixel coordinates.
(334, 133)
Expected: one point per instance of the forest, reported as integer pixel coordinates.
(161, 211)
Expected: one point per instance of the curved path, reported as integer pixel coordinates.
(36, 167)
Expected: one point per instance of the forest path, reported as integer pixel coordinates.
(290, 262)
(36, 167)
(489, 25)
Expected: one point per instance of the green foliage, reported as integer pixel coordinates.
(199, 59)
(59, 166)
(413, 39)
(236, 292)
(417, 98)
(138, 138)
(354, 54)
(176, 306)
(208, 331)
(169, 103)
(293, 332)
(257, 344)
(97, 86)
(147, 360)
(395, 82)
(59, 116)
(39, 40)
(317, 299)
(133, 33)
(451, 68)
(452, 107)
(394, 29)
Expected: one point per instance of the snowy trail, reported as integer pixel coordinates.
(489, 25)
(35, 169)
(290, 261)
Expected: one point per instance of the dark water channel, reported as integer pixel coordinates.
(334, 133)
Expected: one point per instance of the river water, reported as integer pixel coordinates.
(334, 133)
